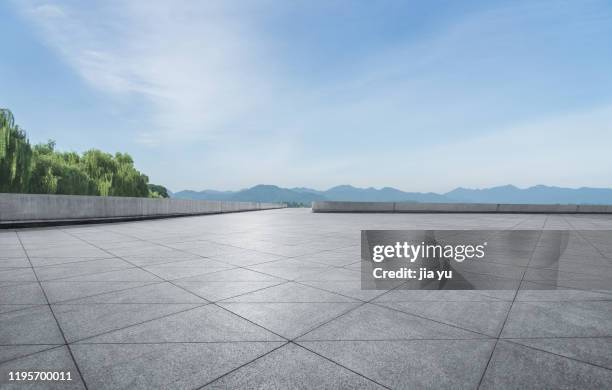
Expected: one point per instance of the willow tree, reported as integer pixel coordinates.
(43, 170)
(15, 155)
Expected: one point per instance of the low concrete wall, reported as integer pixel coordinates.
(30, 208)
(410, 207)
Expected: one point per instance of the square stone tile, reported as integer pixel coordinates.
(59, 291)
(17, 275)
(289, 320)
(348, 288)
(87, 320)
(56, 359)
(34, 325)
(14, 262)
(177, 270)
(22, 293)
(216, 291)
(167, 366)
(81, 268)
(559, 319)
(518, 367)
(372, 322)
(124, 275)
(597, 351)
(482, 317)
(411, 364)
(160, 293)
(204, 324)
(292, 367)
(11, 352)
(232, 275)
(291, 292)
(289, 269)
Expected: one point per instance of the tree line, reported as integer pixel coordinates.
(41, 169)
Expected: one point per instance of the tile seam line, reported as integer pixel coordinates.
(361, 303)
(341, 365)
(53, 314)
(586, 239)
(79, 341)
(52, 346)
(190, 292)
(242, 365)
(66, 301)
(486, 368)
(556, 354)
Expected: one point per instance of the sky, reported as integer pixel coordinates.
(420, 96)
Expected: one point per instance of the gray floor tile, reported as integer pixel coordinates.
(151, 293)
(124, 275)
(60, 291)
(215, 291)
(481, 317)
(49, 261)
(560, 319)
(292, 367)
(35, 325)
(176, 271)
(232, 275)
(81, 268)
(596, 351)
(517, 367)
(17, 275)
(291, 292)
(371, 322)
(413, 364)
(289, 269)
(22, 293)
(57, 359)
(10, 308)
(246, 258)
(81, 321)
(167, 366)
(351, 289)
(404, 295)
(11, 352)
(14, 262)
(205, 324)
(290, 320)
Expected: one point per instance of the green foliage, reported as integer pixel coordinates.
(43, 170)
(157, 191)
(15, 155)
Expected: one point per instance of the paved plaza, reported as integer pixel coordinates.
(273, 300)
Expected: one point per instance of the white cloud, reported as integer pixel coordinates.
(195, 65)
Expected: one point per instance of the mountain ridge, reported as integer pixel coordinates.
(538, 194)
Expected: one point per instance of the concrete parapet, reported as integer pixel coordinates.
(412, 207)
(24, 209)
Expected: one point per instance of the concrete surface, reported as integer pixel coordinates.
(272, 300)
(33, 208)
(412, 207)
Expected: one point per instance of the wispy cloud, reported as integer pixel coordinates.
(196, 65)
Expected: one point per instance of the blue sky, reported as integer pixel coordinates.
(422, 96)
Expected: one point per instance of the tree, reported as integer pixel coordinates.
(157, 191)
(43, 170)
(15, 155)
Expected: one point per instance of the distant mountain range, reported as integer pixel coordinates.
(503, 194)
